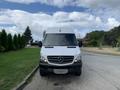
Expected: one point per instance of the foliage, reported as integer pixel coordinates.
(27, 35)
(118, 43)
(19, 41)
(118, 40)
(4, 41)
(23, 41)
(99, 38)
(15, 42)
(9, 42)
(1, 47)
(94, 38)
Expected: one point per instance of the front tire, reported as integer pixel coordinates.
(42, 72)
(78, 72)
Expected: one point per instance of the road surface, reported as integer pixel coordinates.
(100, 72)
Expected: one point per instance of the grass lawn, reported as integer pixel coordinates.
(16, 65)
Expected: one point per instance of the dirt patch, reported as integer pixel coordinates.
(111, 51)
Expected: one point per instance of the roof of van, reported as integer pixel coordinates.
(59, 31)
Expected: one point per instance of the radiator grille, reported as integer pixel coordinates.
(60, 59)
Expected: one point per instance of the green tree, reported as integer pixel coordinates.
(23, 42)
(19, 41)
(10, 42)
(27, 35)
(15, 41)
(94, 38)
(111, 36)
(118, 43)
(4, 41)
(0, 43)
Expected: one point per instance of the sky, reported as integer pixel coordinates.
(81, 16)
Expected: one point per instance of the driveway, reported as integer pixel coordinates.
(100, 72)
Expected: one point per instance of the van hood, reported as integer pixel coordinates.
(60, 50)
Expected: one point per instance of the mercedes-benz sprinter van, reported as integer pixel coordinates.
(60, 53)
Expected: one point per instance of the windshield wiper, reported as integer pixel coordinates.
(49, 47)
(71, 46)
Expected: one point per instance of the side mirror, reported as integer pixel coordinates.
(80, 44)
(40, 44)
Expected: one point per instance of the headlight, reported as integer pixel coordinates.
(78, 58)
(43, 59)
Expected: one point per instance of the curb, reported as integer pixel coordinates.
(26, 80)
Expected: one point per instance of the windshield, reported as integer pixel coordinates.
(60, 40)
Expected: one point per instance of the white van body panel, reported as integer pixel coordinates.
(60, 51)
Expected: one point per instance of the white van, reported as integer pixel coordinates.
(60, 53)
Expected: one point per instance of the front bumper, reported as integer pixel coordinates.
(71, 68)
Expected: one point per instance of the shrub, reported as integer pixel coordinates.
(4, 41)
(10, 42)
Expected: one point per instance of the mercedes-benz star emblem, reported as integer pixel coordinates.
(60, 59)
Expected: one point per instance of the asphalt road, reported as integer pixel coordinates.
(100, 72)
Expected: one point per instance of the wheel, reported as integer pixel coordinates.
(78, 72)
(43, 72)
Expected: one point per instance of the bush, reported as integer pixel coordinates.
(2, 49)
(9, 42)
(15, 42)
(4, 41)
(19, 41)
(94, 38)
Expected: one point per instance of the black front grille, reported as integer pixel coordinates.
(60, 59)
